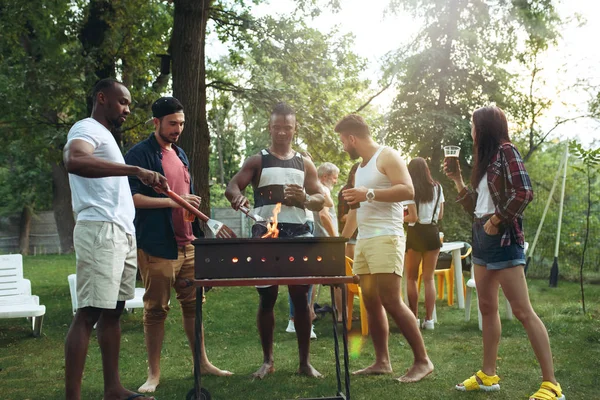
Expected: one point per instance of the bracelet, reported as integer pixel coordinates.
(495, 225)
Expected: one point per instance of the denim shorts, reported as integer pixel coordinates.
(488, 252)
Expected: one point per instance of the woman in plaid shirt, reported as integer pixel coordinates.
(500, 190)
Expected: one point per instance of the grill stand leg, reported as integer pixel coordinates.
(344, 341)
(198, 393)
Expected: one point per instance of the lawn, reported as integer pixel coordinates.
(34, 368)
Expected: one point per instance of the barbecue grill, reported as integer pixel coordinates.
(283, 261)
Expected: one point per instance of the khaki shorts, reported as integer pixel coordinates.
(159, 276)
(106, 264)
(379, 255)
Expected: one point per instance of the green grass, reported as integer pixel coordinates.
(34, 368)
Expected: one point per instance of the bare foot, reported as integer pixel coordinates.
(266, 368)
(209, 369)
(150, 385)
(417, 372)
(308, 370)
(123, 394)
(375, 369)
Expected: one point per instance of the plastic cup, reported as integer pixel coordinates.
(188, 216)
(442, 237)
(451, 157)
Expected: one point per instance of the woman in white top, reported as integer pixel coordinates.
(503, 190)
(423, 237)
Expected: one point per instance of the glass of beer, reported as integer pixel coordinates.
(451, 158)
(188, 216)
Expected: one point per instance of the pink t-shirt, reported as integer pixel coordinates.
(179, 181)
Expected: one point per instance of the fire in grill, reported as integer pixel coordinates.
(269, 258)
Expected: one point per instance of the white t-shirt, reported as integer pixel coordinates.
(101, 199)
(485, 204)
(425, 211)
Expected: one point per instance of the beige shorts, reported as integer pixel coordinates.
(106, 264)
(159, 276)
(379, 255)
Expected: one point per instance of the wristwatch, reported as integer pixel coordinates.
(370, 195)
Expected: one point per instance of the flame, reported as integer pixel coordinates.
(272, 231)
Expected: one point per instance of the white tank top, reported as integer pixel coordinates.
(377, 218)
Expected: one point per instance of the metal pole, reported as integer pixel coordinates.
(554, 269)
(541, 224)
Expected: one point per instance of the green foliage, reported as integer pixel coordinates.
(589, 157)
(316, 73)
(457, 63)
(454, 65)
(51, 56)
(542, 167)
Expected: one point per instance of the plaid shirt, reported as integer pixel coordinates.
(510, 189)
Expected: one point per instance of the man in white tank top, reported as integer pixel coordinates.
(382, 182)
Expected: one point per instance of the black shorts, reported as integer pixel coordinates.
(423, 238)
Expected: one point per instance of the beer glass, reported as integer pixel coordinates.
(451, 158)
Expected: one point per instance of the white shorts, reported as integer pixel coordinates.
(106, 264)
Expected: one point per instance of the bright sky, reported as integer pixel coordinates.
(573, 58)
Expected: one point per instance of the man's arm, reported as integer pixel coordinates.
(143, 201)
(79, 159)
(241, 180)
(393, 166)
(316, 193)
(325, 217)
(412, 216)
(327, 221)
(351, 225)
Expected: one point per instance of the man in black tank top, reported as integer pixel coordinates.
(281, 175)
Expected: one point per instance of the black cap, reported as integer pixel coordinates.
(166, 106)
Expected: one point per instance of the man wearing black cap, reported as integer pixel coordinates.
(164, 235)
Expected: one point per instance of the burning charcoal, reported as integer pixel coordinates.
(258, 230)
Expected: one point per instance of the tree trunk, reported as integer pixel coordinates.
(587, 234)
(220, 151)
(189, 86)
(63, 210)
(25, 229)
(451, 29)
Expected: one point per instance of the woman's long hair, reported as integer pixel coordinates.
(422, 180)
(491, 130)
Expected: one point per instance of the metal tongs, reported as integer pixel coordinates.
(218, 229)
(257, 218)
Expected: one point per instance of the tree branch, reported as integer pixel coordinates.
(373, 97)
(543, 138)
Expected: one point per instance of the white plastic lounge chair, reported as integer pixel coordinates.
(16, 300)
(136, 302)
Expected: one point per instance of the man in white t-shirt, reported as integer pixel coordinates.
(381, 183)
(104, 236)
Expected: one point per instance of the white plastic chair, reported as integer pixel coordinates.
(16, 300)
(136, 302)
(471, 288)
